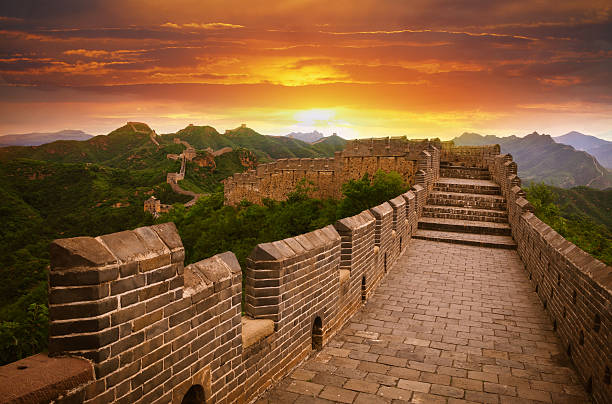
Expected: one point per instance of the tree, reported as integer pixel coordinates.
(368, 192)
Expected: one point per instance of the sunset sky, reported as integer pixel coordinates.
(361, 68)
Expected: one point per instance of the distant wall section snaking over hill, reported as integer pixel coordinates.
(276, 180)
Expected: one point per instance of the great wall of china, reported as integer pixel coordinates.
(154, 205)
(452, 291)
(275, 180)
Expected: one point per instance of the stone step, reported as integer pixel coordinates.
(471, 186)
(464, 213)
(480, 240)
(466, 200)
(464, 226)
(464, 172)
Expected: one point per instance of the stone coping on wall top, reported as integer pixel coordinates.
(213, 272)
(591, 267)
(254, 330)
(291, 247)
(397, 201)
(408, 195)
(356, 222)
(40, 378)
(381, 210)
(112, 249)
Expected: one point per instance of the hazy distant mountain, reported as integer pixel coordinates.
(580, 141)
(600, 148)
(36, 139)
(308, 137)
(541, 159)
(603, 154)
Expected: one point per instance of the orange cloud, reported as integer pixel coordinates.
(379, 65)
(208, 25)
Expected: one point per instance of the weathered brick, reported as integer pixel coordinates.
(82, 277)
(161, 274)
(152, 291)
(123, 315)
(126, 343)
(127, 284)
(83, 341)
(82, 310)
(78, 294)
(122, 374)
(147, 319)
(79, 326)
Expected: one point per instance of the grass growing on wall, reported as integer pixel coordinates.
(585, 224)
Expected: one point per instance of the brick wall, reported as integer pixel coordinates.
(575, 289)
(383, 240)
(399, 227)
(276, 180)
(292, 282)
(412, 217)
(356, 261)
(153, 329)
(469, 156)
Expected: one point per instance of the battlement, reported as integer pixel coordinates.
(156, 331)
(277, 179)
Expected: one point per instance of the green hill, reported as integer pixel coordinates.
(266, 148)
(119, 142)
(589, 202)
(330, 144)
(541, 159)
(98, 186)
(582, 215)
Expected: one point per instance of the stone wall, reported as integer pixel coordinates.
(469, 156)
(151, 327)
(276, 180)
(154, 331)
(574, 288)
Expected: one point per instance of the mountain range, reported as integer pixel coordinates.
(541, 159)
(36, 138)
(70, 188)
(308, 137)
(599, 148)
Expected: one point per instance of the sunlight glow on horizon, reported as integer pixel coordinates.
(357, 68)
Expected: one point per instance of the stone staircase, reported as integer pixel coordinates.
(467, 208)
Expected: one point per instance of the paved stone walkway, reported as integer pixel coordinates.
(449, 324)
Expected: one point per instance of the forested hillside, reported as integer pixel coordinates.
(98, 186)
(581, 215)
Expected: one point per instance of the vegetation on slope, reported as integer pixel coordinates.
(581, 215)
(266, 148)
(206, 229)
(210, 228)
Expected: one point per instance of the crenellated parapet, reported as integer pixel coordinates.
(152, 330)
(362, 156)
(574, 287)
(133, 324)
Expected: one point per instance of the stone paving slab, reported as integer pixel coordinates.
(449, 324)
(473, 223)
(467, 181)
(466, 196)
(482, 240)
